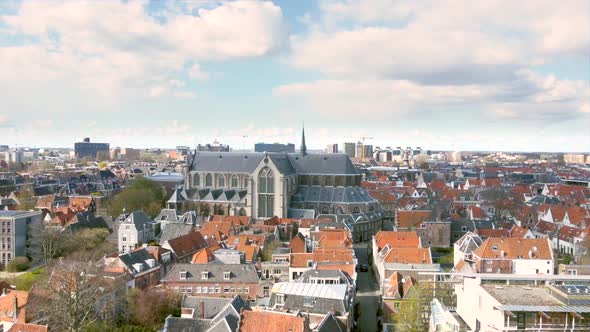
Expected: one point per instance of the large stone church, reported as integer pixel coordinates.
(263, 185)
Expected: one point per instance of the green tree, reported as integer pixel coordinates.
(269, 249)
(143, 194)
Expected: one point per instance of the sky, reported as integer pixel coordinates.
(439, 74)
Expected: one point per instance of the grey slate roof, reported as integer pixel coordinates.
(318, 194)
(138, 257)
(211, 305)
(300, 213)
(216, 195)
(174, 230)
(287, 164)
(245, 273)
(167, 215)
(137, 218)
(178, 196)
(221, 315)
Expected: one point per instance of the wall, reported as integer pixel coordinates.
(529, 266)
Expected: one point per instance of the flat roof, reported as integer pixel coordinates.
(520, 295)
(535, 308)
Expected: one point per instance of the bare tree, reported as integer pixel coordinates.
(76, 296)
(45, 243)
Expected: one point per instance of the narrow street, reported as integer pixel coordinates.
(367, 292)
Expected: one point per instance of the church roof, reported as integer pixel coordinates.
(287, 164)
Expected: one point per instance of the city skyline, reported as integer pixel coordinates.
(451, 75)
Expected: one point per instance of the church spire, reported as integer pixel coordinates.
(303, 147)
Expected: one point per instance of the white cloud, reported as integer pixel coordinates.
(114, 46)
(197, 73)
(453, 41)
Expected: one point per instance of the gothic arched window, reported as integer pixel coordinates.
(208, 180)
(221, 181)
(266, 197)
(234, 181)
(197, 180)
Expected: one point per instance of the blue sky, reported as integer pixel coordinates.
(453, 74)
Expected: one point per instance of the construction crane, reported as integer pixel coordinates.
(363, 138)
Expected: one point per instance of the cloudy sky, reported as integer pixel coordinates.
(453, 74)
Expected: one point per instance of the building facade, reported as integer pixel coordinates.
(94, 151)
(15, 232)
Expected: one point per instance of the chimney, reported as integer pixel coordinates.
(202, 308)
(15, 309)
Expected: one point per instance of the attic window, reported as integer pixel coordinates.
(280, 299)
(182, 275)
(308, 301)
(226, 275)
(494, 247)
(205, 275)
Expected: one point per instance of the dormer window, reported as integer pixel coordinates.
(226, 275)
(205, 275)
(310, 263)
(182, 275)
(280, 299)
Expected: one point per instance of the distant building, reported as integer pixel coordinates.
(332, 148)
(274, 147)
(214, 147)
(368, 151)
(573, 158)
(95, 151)
(359, 150)
(350, 149)
(127, 154)
(15, 225)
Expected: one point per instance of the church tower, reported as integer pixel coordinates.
(303, 147)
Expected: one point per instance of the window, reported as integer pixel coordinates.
(233, 290)
(226, 275)
(198, 290)
(221, 181)
(280, 299)
(308, 301)
(246, 290)
(189, 290)
(234, 181)
(208, 180)
(266, 193)
(310, 263)
(211, 289)
(197, 180)
(124, 239)
(217, 289)
(226, 289)
(204, 289)
(182, 275)
(463, 228)
(205, 275)
(494, 247)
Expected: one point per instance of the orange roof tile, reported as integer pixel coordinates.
(413, 218)
(409, 256)
(7, 302)
(397, 239)
(514, 248)
(27, 327)
(267, 321)
(203, 256)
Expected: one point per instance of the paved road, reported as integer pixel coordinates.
(367, 293)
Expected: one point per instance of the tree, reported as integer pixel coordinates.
(269, 249)
(150, 307)
(45, 243)
(76, 296)
(143, 194)
(26, 197)
(18, 264)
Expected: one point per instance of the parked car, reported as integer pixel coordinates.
(364, 267)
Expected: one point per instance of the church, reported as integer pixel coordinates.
(287, 185)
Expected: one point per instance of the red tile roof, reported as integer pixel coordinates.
(514, 248)
(397, 239)
(409, 256)
(412, 219)
(27, 327)
(187, 244)
(267, 321)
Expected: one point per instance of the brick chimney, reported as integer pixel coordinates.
(15, 308)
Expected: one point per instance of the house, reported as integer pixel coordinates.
(464, 247)
(406, 220)
(214, 280)
(141, 266)
(184, 247)
(521, 232)
(314, 299)
(271, 321)
(498, 304)
(133, 229)
(514, 256)
(12, 307)
(331, 259)
(27, 327)
(207, 314)
(398, 292)
(298, 244)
